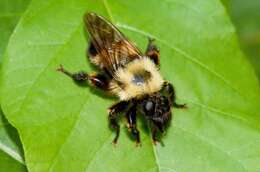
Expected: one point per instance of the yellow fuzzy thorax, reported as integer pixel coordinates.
(127, 89)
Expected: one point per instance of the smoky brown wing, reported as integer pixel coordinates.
(111, 45)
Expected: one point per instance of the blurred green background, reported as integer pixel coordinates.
(245, 15)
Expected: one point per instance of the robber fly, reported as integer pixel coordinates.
(130, 75)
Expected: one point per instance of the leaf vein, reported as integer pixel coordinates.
(182, 52)
(69, 134)
(202, 139)
(44, 69)
(216, 110)
(96, 152)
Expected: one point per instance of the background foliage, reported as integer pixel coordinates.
(245, 15)
(201, 43)
(11, 156)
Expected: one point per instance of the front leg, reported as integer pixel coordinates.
(114, 112)
(153, 52)
(131, 119)
(98, 80)
(170, 92)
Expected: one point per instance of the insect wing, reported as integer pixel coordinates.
(112, 46)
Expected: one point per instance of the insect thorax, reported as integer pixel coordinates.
(138, 78)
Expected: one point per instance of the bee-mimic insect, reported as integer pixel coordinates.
(129, 74)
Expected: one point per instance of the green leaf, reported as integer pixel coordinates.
(64, 126)
(245, 15)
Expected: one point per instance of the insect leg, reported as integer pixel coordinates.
(131, 119)
(169, 89)
(154, 134)
(114, 111)
(159, 124)
(98, 80)
(80, 76)
(152, 51)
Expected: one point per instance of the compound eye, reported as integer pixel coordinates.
(149, 106)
